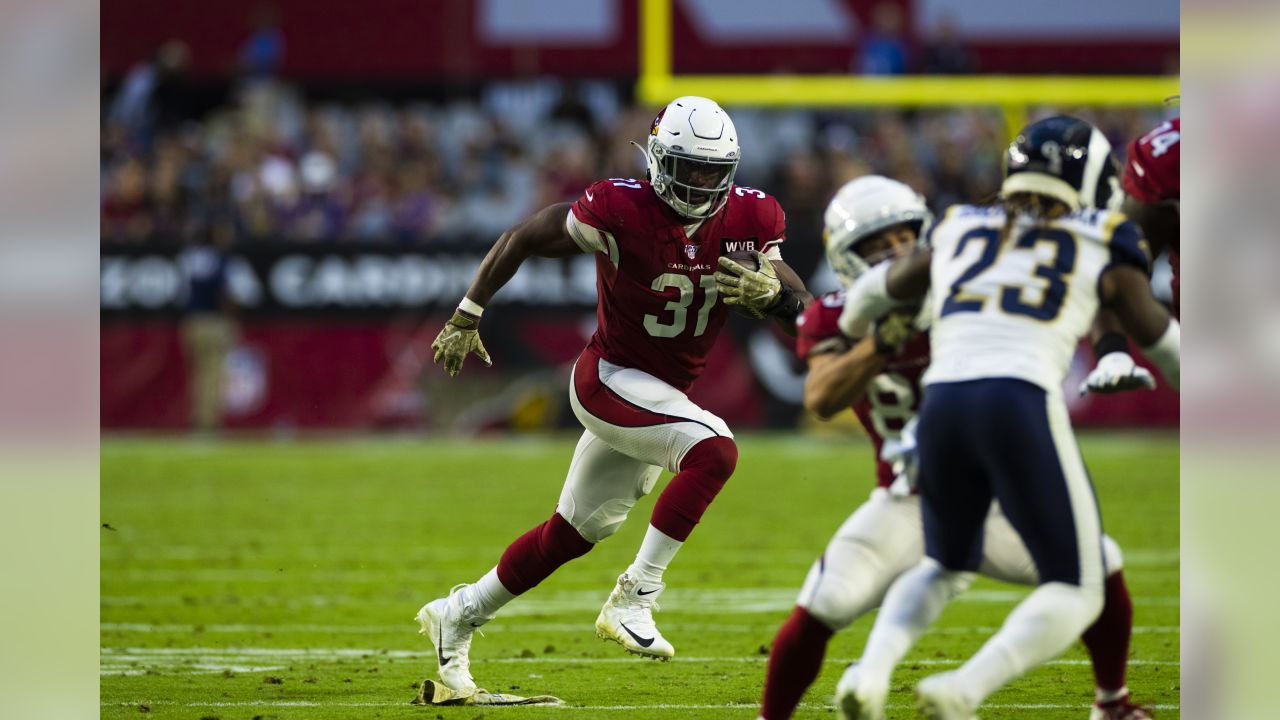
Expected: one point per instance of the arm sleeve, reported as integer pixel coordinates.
(587, 222)
(588, 238)
(1165, 353)
(776, 222)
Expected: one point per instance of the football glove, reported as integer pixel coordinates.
(1117, 372)
(754, 291)
(903, 457)
(459, 338)
(894, 330)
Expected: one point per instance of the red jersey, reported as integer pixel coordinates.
(893, 396)
(1152, 176)
(658, 307)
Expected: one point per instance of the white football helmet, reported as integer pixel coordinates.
(692, 155)
(862, 208)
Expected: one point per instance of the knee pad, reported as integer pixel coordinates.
(1112, 558)
(595, 515)
(838, 591)
(1076, 605)
(716, 457)
(601, 522)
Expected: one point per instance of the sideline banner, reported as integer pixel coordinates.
(338, 336)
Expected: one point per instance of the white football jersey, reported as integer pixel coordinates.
(1017, 308)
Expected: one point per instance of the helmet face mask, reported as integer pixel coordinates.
(692, 156)
(696, 187)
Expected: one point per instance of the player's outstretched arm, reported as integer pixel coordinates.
(1126, 290)
(544, 234)
(882, 288)
(1114, 369)
(839, 379)
(1159, 222)
(794, 298)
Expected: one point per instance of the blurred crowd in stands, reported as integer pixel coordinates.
(272, 165)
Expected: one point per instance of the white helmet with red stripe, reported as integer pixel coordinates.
(692, 156)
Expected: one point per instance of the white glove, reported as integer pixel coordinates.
(1117, 372)
(902, 456)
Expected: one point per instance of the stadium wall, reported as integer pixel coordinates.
(338, 337)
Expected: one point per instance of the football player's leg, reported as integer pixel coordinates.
(601, 487)
(599, 490)
(873, 546)
(1005, 557)
(954, 502)
(647, 419)
(1107, 640)
(1043, 489)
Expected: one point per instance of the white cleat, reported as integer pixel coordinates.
(627, 619)
(450, 628)
(938, 698)
(858, 698)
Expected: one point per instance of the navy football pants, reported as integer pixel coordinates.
(1010, 440)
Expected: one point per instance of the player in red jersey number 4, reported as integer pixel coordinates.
(663, 281)
(872, 220)
(1153, 189)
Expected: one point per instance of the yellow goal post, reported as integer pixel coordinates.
(1012, 94)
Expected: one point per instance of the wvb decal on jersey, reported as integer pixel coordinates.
(728, 245)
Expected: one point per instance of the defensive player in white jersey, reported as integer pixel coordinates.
(1015, 286)
(872, 220)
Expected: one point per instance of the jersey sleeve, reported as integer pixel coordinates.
(816, 329)
(588, 221)
(1151, 170)
(1128, 246)
(775, 220)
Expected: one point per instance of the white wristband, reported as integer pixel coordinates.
(471, 308)
(1164, 353)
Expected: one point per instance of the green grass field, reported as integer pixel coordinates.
(278, 580)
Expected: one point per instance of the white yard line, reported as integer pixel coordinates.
(117, 657)
(532, 628)
(716, 601)
(655, 706)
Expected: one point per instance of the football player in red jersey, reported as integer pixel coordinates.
(871, 220)
(1152, 188)
(663, 280)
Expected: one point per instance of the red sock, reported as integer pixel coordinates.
(794, 663)
(1108, 638)
(536, 554)
(703, 471)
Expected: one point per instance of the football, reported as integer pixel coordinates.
(745, 258)
(748, 260)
